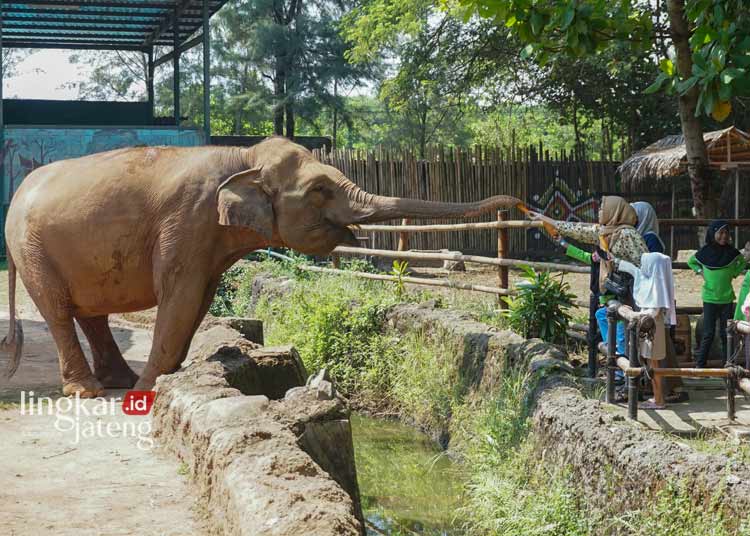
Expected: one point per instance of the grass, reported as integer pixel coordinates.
(339, 323)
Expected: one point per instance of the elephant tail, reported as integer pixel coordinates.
(13, 341)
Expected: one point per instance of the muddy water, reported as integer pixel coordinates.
(408, 486)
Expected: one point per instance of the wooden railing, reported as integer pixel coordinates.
(735, 376)
(502, 264)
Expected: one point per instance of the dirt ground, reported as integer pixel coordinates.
(687, 283)
(68, 472)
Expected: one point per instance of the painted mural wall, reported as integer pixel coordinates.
(27, 148)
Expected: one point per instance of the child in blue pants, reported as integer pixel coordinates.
(601, 319)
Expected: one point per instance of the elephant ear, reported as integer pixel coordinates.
(242, 201)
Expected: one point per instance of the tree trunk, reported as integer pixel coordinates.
(575, 129)
(423, 133)
(335, 111)
(289, 120)
(279, 83)
(705, 203)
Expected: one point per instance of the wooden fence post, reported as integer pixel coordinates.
(502, 251)
(403, 237)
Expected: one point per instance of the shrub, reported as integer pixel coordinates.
(541, 307)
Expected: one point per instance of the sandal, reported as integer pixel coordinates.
(676, 398)
(650, 404)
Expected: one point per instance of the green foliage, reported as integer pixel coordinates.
(572, 28)
(510, 492)
(226, 293)
(355, 264)
(400, 270)
(426, 385)
(336, 322)
(541, 307)
(719, 42)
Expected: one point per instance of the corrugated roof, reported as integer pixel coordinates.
(116, 24)
(668, 156)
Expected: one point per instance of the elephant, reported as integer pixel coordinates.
(133, 228)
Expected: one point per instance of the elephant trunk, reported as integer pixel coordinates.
(369, 208)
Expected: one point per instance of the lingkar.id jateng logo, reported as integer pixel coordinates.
(97, 417)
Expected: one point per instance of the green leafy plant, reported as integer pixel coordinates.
(400, 269)
(223, 304)
(358, 265)
(540, 307)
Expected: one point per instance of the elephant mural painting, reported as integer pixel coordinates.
(132, 228)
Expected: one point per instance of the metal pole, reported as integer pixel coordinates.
(176, 69)
(730, 381)
(206, 74)
(150, 83)
(611, 352)
(633, 380)
(593, 352)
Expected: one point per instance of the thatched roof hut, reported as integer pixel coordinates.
(668, 156)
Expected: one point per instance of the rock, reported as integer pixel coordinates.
(261, 467)
(269, 287)
(295, 392)
(325, 390)
(321, 375)
(453, 266)
(252, 369)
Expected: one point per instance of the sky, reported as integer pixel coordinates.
(40, 76)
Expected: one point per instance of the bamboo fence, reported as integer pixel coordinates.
(463, 175)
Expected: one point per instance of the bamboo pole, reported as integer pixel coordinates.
(624, 364)
(502, 251)
(691, 372)
(507, 224)
(403, 236)
(691, 222)
(412, 280)
(513, 263)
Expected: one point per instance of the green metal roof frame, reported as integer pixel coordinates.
(101, 24)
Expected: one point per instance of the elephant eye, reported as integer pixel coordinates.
(321, 191)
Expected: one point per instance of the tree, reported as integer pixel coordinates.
(295, 45)
(711, 48)
(115, 75)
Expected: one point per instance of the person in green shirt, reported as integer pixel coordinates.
(719, 263)
(739, 313)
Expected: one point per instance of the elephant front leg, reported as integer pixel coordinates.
(177, 318)
(110, 367)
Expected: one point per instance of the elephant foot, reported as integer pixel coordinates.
(88, 388)
(119, 379)
(144, 384)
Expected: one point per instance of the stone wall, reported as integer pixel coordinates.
(619, 465)
(262, 464)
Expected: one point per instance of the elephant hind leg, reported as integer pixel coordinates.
(110, 367)
(51, 297)
(76, 373)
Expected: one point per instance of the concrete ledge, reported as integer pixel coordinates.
(260, 466)
(620, 465)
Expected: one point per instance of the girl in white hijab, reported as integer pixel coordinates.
(653, 292)
(648, 226)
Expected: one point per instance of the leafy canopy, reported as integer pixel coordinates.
(720, 42)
